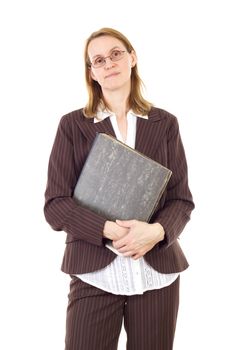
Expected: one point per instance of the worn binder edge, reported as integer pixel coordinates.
(131, 149)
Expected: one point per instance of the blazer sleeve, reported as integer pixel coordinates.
(60, 210)
(175, 213)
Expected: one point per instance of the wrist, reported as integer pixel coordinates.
(106, 229)
(160, 231)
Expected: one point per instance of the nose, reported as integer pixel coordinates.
(108, 63)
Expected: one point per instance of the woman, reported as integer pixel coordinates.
(140, 283)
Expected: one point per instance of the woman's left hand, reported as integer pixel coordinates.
(142, 237)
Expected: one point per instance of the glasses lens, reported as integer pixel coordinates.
(98, 62)
(116, 55)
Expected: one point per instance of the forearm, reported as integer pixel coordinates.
(82, 224)
(173, 218)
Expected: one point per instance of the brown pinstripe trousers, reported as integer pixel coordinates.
(94, 318)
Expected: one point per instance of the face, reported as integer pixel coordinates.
(113, 75)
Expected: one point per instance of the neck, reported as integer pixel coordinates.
(117, 101)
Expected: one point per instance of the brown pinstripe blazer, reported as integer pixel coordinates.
(158, 138)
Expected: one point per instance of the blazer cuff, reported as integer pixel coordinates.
(86, 225)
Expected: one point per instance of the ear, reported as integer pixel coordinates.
(133, 58)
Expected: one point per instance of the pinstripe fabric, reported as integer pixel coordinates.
(159, 138)
(94, 318)
(150, 319)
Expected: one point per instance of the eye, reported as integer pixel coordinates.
(98, 61)
(116, 53)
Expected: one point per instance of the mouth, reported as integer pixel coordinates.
(112, 75)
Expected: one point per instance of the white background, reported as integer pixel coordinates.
(185, 59)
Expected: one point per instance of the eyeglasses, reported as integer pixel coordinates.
(100, 61)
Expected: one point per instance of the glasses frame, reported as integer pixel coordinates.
(110, 57)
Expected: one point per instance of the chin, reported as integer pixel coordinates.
(115, 86)
(112, 87)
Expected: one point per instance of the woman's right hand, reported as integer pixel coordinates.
(113, 231)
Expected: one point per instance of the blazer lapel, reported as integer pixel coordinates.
(149, 133)
(90, 129)
(148, 136)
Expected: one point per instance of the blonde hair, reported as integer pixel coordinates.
(136, 101)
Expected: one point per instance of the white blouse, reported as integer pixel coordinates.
(125, 275)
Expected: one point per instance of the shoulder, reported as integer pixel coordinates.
(72, 117)
(157, 113)
(168, 120)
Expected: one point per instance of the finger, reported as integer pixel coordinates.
(136, 256)
(128, 253)
(125, 223)
(120, 243)
(124, 249)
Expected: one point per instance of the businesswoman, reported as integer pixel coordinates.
(138, 283)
